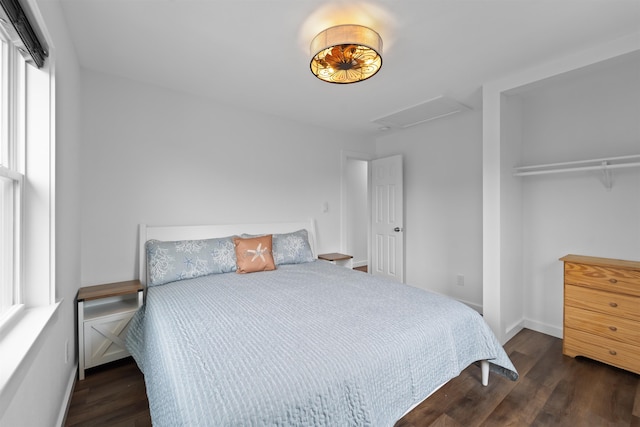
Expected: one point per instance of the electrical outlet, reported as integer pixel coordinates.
(460, 280)
(66, 351)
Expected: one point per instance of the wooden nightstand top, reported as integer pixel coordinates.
(334, 256)
(88, 293)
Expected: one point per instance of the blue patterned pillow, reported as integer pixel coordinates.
(186, 259)
(292, 248)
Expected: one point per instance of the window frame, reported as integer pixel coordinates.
(12, 175)
(22, 328)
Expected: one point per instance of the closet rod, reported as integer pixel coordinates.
(573, 169)
(579, 162)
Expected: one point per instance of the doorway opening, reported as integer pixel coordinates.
(356, 209)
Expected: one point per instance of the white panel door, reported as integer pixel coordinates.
(387, 216)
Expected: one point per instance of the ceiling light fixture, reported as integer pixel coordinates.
(346, 54)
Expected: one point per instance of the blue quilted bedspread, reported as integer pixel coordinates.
(307, 344)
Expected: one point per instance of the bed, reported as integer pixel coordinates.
(305, 343)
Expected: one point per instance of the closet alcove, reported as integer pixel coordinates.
(576, 120)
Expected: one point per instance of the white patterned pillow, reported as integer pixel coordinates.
(186, 259)
(292, 248)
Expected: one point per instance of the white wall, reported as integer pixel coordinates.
(581, 117)
(560, 129)
(155, 156)
(511, 226)
(40, 397)
(591, 115)
(443, 203)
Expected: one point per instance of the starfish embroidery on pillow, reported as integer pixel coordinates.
(258, 252)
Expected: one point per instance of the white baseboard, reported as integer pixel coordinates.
(544, 328)
(64, 408)
(534, 325)
(513, 330)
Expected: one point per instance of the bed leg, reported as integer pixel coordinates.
(484, 366)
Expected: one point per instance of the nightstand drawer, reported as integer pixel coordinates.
(615, 353)
(104, 338)
(604, 325)
(603, 302)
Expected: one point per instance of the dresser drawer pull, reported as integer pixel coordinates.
(613, 328)
(613, 280)
(612, 352)
(613, 304)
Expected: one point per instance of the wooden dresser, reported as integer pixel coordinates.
(602, 310)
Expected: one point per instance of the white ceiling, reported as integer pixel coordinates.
(254, 53)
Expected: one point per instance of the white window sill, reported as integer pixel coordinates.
(15, 344)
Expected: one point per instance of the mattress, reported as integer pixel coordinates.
(306, 344)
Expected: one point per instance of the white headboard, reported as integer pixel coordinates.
(197, 232)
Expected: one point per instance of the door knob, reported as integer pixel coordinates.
(397, 229)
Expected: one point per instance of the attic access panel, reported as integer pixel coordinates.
(432, 109)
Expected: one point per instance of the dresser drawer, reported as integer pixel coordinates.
(625, 356)
(604, 278)
(604, 302)
(604, 325)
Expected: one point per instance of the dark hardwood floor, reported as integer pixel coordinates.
(553, 390)
(111, 395)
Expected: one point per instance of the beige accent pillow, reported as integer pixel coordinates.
(254, 254)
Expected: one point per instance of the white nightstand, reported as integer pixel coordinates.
(338, 259)
(104, 313)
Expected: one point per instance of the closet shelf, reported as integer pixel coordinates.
(605, 165)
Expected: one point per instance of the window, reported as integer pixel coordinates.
(12, 101)
(27, 187)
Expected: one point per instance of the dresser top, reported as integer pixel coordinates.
(603, 262)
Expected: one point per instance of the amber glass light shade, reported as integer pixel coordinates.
(346, 54)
